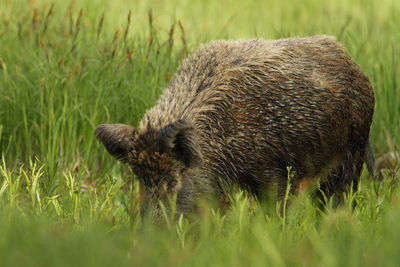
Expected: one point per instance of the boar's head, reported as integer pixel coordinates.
(166, 161)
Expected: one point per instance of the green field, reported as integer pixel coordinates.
(67, 67)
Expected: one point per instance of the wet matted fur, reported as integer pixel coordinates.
(242, 112)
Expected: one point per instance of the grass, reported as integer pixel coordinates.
(65, 68)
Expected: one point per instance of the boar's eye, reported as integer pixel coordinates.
(171, 184)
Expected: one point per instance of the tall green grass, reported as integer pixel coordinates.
(65, 68)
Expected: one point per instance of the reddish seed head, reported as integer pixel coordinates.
(151, 17)
(129, 16)
(6, 21)
(171, 31)
(114, 52)
(116, 34)
(181, 27)
(50, 10)
(166, 76)
(61, 61)
(129, 53)
(34, 17)
(84, 60)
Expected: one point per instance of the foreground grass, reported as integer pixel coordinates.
(96, 228)
(63, 200)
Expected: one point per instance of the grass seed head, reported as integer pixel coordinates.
(84, 60)
(100, 25)
(60, 62)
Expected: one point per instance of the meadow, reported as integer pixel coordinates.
(67, 66)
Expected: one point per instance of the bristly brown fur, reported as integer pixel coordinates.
(242, 111)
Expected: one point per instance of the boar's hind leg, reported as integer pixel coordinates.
(343, 177)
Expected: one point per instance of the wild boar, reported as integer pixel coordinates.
(242, 112)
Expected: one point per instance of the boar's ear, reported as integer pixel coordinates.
(116, 138)
(179, 138)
